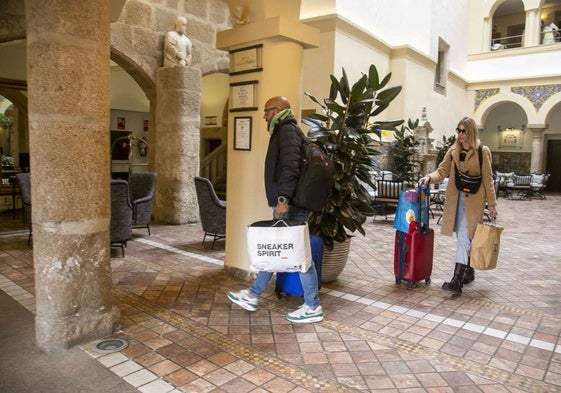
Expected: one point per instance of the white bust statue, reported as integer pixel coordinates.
(177, 47)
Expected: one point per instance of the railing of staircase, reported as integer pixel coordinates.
(213, 165)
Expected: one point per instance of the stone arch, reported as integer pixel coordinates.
(140, 76)
(488, 105)
(527, 5)
(12, 20)
(16, 97)
(548, 107)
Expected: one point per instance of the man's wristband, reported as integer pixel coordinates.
(282, 199)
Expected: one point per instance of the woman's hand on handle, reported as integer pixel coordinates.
(424, 181)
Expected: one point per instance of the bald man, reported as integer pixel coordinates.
(282, 171)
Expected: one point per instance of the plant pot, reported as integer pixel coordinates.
(334, 261)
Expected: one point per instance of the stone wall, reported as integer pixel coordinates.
(512, 162)
(137, 36)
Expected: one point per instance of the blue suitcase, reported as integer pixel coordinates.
(289, 283)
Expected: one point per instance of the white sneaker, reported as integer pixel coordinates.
(243, 299)
(306, 314)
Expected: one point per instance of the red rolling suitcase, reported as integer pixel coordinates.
(289, 283)
(413, 252)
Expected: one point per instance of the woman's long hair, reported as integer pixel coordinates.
(472, 132)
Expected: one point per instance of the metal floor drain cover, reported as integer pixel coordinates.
(109, 346)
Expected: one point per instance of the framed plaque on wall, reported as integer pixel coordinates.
(511, 139)
(245, 60)
(242, 133)
(244, 96)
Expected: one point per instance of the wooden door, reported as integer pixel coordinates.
(553, 167)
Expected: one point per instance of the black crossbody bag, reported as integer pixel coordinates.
(466, 183)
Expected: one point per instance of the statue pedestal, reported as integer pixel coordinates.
(176, 145)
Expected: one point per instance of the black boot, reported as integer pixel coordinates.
(455, 285)
(469, 274)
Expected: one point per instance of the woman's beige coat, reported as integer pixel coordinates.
(474, 203)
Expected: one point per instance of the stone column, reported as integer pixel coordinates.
(177, 144)
(487, 31)
(68, 91)
(532, 31)
(536, 163)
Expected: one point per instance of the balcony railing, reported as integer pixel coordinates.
(517, 41)
(514, 41)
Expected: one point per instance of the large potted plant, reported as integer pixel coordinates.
(443, 147)
(402, 155)
(348, 130)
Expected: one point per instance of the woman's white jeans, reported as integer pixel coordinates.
(463, 247)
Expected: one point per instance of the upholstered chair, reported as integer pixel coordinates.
(142, 186)
(24, 184)
(211, 210)
(121, 215)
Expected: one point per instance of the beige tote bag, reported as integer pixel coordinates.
(485, 246)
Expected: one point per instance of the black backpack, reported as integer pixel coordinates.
(316, 177)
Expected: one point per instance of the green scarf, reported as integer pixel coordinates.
(278, 117)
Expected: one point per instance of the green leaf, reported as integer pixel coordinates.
(385, 81)
(335, 107)
(344, 86)
(373, 78)
(333, 89)
(360, 105)
(314, 124)
(350, 132)
(314, 99)
(358, 88)
(380, 109)
(389, 125)
(317, 116)
(386, 96)
(320, 133)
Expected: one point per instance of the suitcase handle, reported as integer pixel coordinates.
(424, 196)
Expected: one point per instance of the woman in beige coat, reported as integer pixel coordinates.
(462, 210)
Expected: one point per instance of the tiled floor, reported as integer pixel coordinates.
(502, 335)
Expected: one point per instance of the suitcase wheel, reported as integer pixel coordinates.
(411, 284)
(398, 281)
(427, 281)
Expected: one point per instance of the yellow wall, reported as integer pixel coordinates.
(283, 40)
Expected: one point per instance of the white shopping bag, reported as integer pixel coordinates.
(279, 246)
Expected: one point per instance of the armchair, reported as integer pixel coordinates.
(211, 210)
(537, 185)
(121, 215)
(24, 184)
(387, 196)
(519, 186)
(142, 186)
(504, 178)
